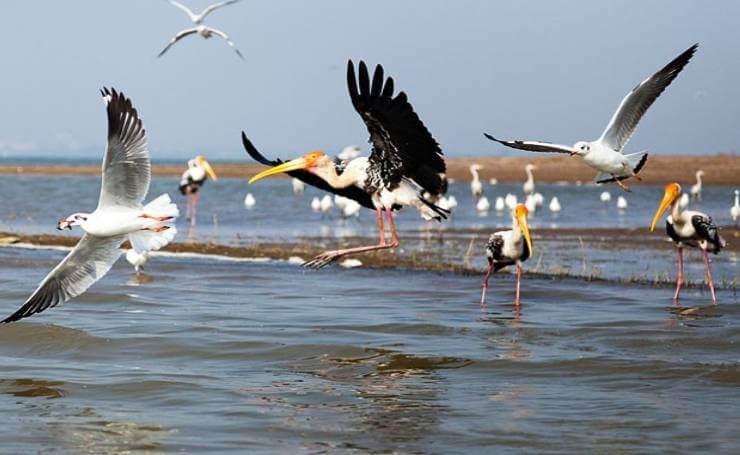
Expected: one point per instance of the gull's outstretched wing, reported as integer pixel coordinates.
(351, 192)
(193, 17)
(622, 125)
(126, 166)
(89, 261)
(214, 7)
(533, 146)
(180, 35)
(226, 38)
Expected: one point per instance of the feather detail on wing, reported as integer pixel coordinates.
(533, 146)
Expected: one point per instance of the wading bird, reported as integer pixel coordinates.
(605, 197)
(555, 205)
(688, 228)
(735, 209)
(605, 154)
(191, 182)
(249, 201)
(406, 166)
(696, 188)
(483, 205)
(476, 187)
(200, 29)
(298, 186)
(622, 203)
(137, 259)
(119, 215)
(505, 248)
(528, 186)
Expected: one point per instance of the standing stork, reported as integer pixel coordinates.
(476, 187)
(406, 166)
(688, 228)
(697, 187)
(505, 248)
(192, 180)
(528, 186)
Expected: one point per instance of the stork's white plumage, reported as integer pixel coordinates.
(200, 29)
(528, 186)
(735, 209)
(476, 187)
(192, 181)
(683, 201)
(697, 187)
(119, 215)
(688, 228)
(605, 154)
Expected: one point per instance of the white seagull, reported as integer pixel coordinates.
(120, 214)
(605, 154)
(204, 31)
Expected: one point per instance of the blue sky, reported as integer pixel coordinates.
(548, 70)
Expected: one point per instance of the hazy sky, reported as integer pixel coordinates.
(548, 70)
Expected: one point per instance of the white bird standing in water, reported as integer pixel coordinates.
(510, 201)
(735, 210)
(298, 186)
(200, 29)
(697, 187)
(605, 154)
(530, 203)
(476, 187)
(119, 215)
(249, 201)
(605, 197)
(137, 259)
(326, 204)
(316, 204)
(351, 208)
(555, 205)
(528, 186)
(622, 203)
(500, 204)
(452, 202)
(539, 199)
(483, 206)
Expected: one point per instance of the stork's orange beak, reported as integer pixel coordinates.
(521, 213)
(305, 162)
(672, 192)
(207, 166)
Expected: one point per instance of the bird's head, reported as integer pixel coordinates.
(201, 161)
(309, 162)
(671, 194)
(530, 167)
(520, 215)
(75, 219)
(581, 148)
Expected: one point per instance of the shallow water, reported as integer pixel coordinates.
(219, 357)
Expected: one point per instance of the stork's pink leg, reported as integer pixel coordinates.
(679, 278)
(392, 225)
(485, 283)
(328, 257)
(518, 283)
(189, 199)
(193, 213)
(709, 276)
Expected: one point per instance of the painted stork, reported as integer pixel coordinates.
(688, 228)
(605, 154)
(696, 188)
(476, 186)
(505, 248)
(528, 186)
(200, 29)
(120, 214)
(406, 166)
(192, 180)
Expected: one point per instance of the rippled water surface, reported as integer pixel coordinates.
(212, 356)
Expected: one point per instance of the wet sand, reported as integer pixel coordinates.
(719, 169)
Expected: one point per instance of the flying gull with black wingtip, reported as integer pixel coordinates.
(605, 154)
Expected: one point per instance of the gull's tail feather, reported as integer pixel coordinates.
(637, 161)
(163, 232)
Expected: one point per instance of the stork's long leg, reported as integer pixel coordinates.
(328, 257)
(196, 197)
(679, 277)
(709, 275)
(394, 237)
(518, 283)
(485, 283)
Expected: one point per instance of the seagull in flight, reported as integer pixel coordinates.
(204, 31)
(119, 216)
(605, 154)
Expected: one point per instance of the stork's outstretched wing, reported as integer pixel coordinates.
(534, 146)
(402, 145)
(351, 192)
(126, 166)
(89, 261)
(622, 125)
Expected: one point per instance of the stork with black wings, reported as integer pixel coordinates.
(688, 228)
(406, 166)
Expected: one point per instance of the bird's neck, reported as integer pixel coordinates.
(530, 176)
(329, 174)
(698, 179)
(676, 212)
(516, 230)
(475, 174)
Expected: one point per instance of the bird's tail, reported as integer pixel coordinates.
(430, 211)
(637, 161)
(162, 213)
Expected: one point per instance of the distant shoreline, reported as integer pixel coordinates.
(718, 169)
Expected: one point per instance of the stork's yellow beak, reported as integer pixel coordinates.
(305, 162)
(521, 213)
(672, 192)
(207, 166)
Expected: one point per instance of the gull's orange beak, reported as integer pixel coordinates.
(305, 162)
(201, 160)
(672, 192)
(521, 212)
